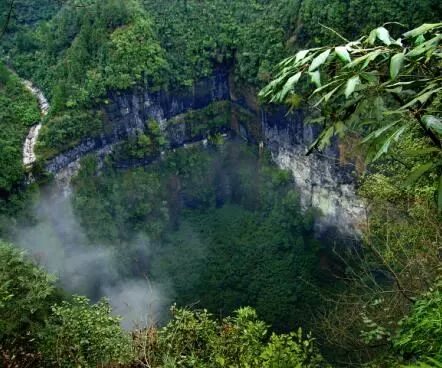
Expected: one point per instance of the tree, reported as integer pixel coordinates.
(26, 292)
(195, 339)
(377, 87)
(82, 335)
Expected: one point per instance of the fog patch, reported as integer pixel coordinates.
(58, 243)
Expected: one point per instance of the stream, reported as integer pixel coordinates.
(31, 139)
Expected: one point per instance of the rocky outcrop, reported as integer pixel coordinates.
(132, 111)
(323, 181)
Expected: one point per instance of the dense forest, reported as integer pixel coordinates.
(233, 267)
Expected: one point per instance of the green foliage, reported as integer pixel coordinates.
(224, 228)
(428, 363)
(290, 351)
(379, 87)
(80, 334)
(420, 332)
(242, 227)
(18, 111)
(79, 55)
(353, 17)
(90, 47)
(255, 35)
(198, 35)
(26, 294)
(194, 339)
(207, 120)
(25, 291)
(134, 55)
(75, 333)
(66, 130)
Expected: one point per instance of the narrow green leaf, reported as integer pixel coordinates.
(343, 54)
(352, 83)
(383, 34)
(424, 47)
(417, 173)
(326, 86)
(367, 58)
(369, 77)
(422, 98)
(316, 78)
(371, 57)
(394, 90)
(396, 63)
(289, 85)
(327, 97)
(330, 94)
(433, 122)
(405, 83)
(319, 60)
(286, 62)
(422, 29)
(386, 145)
(322, 141)
(372, 37)
(301, 55)
(377, 133)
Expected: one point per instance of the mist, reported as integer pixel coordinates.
(58, 243)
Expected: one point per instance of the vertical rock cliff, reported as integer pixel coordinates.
(324, 180)
(324, 183)
(130, 111)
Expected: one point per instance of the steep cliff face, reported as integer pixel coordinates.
(129, 112)
(324, 182)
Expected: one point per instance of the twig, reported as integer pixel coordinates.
(335, 32)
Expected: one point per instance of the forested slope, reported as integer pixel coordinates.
(380, 95)
(88, 48)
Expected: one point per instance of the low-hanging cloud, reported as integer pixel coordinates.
(59, 244)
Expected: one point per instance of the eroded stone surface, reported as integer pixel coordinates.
(323, 182)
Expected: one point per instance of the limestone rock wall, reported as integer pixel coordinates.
(324, 182)
(130, 111)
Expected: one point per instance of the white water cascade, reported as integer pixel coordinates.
(31, 140)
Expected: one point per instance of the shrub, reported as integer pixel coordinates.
(82, 335)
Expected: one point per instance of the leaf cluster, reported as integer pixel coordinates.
(377, 87)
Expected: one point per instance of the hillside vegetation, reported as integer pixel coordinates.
(367, 73)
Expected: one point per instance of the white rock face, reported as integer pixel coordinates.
(319, 187)
(323, 181)
(31, 140)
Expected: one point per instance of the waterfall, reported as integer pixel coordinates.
(31, 139)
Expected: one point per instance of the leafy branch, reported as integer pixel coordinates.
(378, 86)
